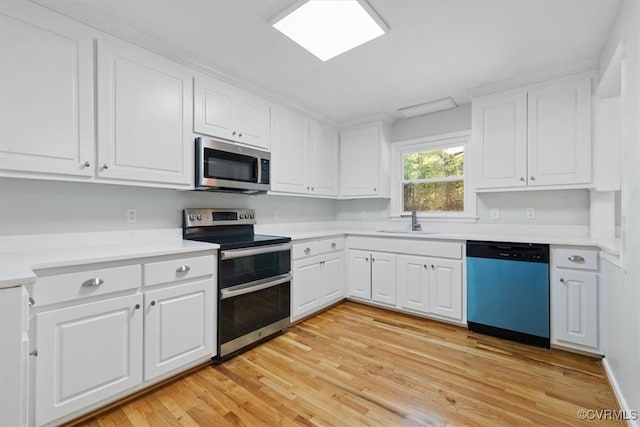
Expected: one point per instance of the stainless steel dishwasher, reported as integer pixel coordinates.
(508, 290)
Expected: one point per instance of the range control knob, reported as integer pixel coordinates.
(192, 217)
(252, 215)
(199, 217)
(241, 216)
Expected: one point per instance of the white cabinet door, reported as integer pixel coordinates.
(289, 151)
(225, 111)
(178, 327)
(305, 287)
(333, 278)
(86, 353)
(212, 107)
(359, 274)
(323, 167)
(360, 161)
(413, 282)
(445, 288)
(500, 138)
(46, 93)
(559, 133)
(144, 116)
(383, 277)
(574, 307)
(252, 121)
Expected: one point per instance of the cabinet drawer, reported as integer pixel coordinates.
(581, 259)
(317, 247)
(156, 273)
(72, 286)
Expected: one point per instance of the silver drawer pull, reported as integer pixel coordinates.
(577, 259)
(307, 250)
(333, 245)
(182, 269)
(32, 302)
(96, 281)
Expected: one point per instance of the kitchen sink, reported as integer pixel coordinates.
(408, 231)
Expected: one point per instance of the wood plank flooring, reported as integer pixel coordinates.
(356, 365)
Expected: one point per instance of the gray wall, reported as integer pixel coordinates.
(35, 206)
(622, 288)
(455, 119)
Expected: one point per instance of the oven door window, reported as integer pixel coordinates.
(230, 166)
(255, 267)
(246, 313)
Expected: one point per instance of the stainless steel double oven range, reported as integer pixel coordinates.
(254, 275)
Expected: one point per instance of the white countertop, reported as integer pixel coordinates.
(21, 255)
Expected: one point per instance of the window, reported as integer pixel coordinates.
(432, 176)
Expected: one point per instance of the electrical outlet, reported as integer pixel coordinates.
(132, 215)
(364, 214)
(531, 213)
(495, 213)
(276, 214)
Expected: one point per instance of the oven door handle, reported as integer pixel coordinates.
(240, 253)
(257, 285)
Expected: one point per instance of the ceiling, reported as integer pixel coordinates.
(434, 49)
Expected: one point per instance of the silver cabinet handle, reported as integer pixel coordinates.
(433, 267)
(577, 259)
(86, 164)
(366, 259)
(522, 178)
(240, 134)
(34, 353)
(562, 280)
(308, 188)
(137, 306)
(183, 269)
(375, 189)
(532, 178)
(153, 303)
(96, 281)
(333, 245)
(425, 266)
(307, 250)
(373, 259)
(313, 189)
(32, 302)
(233, 133)
(105, 166)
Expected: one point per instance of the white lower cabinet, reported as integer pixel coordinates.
(86, 353)
(318, 276)
(372, 276)
(101, 333)
(393, 272)
(575, 300)
(430, 285)
(178, 326)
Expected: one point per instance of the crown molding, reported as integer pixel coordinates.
(536, 77)
(113, 27)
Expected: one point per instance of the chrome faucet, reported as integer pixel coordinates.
(415, 226)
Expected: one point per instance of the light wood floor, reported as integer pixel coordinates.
(358, 365)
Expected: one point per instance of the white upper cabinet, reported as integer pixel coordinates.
(500, 133)
(365, 161)
(323, 160)
(559, 133)
(304, 155)
(144, 116)
(537, 136)
(46, 93)
(225, 111)
(289, 151)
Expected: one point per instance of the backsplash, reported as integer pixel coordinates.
(35, 206)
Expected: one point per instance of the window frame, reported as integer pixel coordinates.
(448, 140)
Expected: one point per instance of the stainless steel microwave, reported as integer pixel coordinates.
(223, 166)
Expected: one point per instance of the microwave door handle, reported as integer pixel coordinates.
(258, 171)
(258, 285)
(240, 253)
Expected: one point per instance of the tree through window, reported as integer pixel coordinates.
(438, 176)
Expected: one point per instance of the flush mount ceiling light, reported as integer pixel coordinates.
(327, 28)
(428, 107)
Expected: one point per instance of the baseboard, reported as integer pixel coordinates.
(618, 392)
